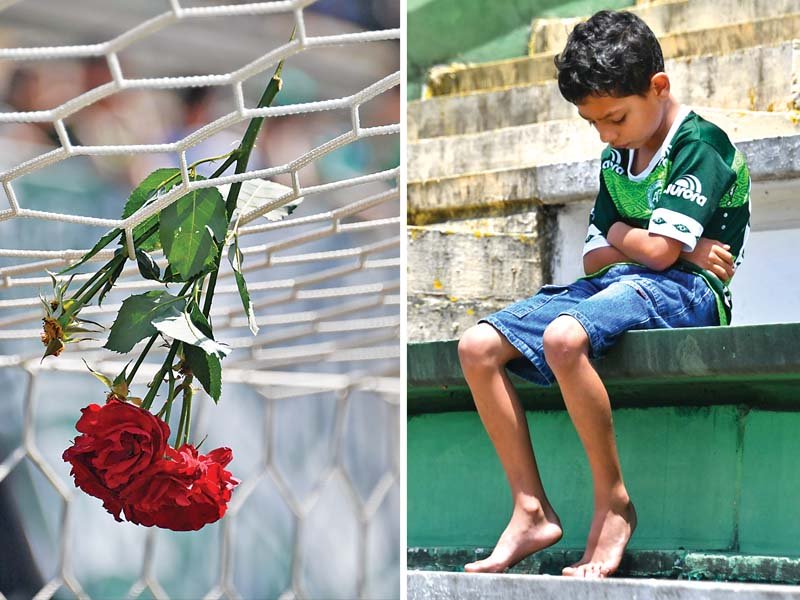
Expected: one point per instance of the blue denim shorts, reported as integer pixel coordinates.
(625, 297)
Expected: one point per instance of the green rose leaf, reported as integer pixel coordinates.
(101, 243)
(206, 368)
(135, 319)
(187, 328)
(235, 257)
(147, 266)
(188, 229)
(157, 183)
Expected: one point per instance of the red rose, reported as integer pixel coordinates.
(119, 442)
(183, 492)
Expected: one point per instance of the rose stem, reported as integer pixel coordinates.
(242, 158)
(157, 380)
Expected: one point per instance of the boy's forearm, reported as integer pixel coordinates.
(600, 258)
(654, 251)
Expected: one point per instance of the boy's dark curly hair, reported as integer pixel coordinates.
(611, 54)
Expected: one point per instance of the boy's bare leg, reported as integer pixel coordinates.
(534, 525)
(566, 346)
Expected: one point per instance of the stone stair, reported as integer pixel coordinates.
(425, 585)
(502, 172)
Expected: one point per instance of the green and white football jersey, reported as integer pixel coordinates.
(697, 185)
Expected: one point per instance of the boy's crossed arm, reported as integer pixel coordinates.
(657, 252)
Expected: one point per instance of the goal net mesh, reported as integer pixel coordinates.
(310, 404)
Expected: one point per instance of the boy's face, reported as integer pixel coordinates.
(628, 121)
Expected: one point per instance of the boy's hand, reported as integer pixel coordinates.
(712, 256)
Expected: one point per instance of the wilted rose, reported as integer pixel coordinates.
(119, 441)
(183, 492)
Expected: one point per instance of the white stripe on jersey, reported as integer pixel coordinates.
(594, 240)
(677, 226)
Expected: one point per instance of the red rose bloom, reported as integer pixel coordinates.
(183, 492)
(119, 442)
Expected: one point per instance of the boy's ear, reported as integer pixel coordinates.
(659, 83)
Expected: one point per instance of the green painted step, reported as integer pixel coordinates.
(703, 478)
(680, 47)
(758, 365)
(706, 422)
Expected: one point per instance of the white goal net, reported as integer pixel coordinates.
(97, 95)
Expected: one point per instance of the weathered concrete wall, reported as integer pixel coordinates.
(467, 268)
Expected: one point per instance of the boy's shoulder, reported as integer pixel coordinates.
(704, 136)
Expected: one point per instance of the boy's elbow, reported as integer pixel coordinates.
(662, 257)
(660, 263)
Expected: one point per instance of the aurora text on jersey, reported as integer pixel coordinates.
(697, 185)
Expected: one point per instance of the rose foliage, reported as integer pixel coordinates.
(122, 458)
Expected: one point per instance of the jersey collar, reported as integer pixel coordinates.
(683, 112)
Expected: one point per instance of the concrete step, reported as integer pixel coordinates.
(562, 140)
(550, 35)
(761, 79)
(770, 159)
(538, 68)
(482, 111)
(431, 585)
(637, 564)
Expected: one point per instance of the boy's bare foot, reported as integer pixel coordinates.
(611, 530)
(526, 533)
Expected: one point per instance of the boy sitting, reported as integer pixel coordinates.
(667, 230)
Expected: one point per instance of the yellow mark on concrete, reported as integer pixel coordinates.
(794, 117)
(470, 312)
(414, 233)
(437, 285)
(751, 94)
(453, 298)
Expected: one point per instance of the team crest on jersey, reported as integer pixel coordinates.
(614, 163)
(687, 187)
(653, 193)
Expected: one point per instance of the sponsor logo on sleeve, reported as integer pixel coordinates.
(614, 163)
(687, 187)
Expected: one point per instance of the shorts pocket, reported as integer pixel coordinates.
(525, 307)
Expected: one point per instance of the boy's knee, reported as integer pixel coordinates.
(479, 347)
(564, 340)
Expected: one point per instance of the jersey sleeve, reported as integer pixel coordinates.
(603, 216)
(698, 179)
